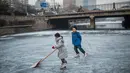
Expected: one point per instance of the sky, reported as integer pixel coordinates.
(32, 2)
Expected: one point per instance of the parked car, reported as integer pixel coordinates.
(96, 9)
(125, 7)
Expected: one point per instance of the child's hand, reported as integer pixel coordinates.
(53, 47)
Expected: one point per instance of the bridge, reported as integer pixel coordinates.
(62, 19)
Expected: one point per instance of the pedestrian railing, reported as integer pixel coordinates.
(110, 6)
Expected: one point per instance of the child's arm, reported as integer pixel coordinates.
(72, 38)
(79, 36)
(59, 44)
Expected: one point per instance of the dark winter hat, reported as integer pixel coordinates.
(57, 35)
(74, 27)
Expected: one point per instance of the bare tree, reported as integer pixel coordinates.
(3, 6)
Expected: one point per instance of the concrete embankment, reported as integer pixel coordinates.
(21, 24)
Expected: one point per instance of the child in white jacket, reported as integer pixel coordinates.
(62, 54)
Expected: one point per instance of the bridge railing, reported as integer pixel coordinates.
(100, 7)
(91, 13)
(110, 6)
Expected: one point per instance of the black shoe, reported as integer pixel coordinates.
(63, 68)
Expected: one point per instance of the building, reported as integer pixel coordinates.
(68, 3)
(25, 2)
(85, 3)
(89, 4)
(37, 4)
(92, 2)
(79, 3)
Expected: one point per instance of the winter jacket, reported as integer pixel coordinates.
(61, 47)
(76, 39)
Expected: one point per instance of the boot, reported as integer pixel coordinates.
(63, 66)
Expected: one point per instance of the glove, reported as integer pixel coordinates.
(53, 47)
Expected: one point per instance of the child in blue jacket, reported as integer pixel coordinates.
(76, 41)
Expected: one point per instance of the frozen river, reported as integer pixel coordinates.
(109, 52)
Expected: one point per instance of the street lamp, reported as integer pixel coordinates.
(26, 9)
(12, 7)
